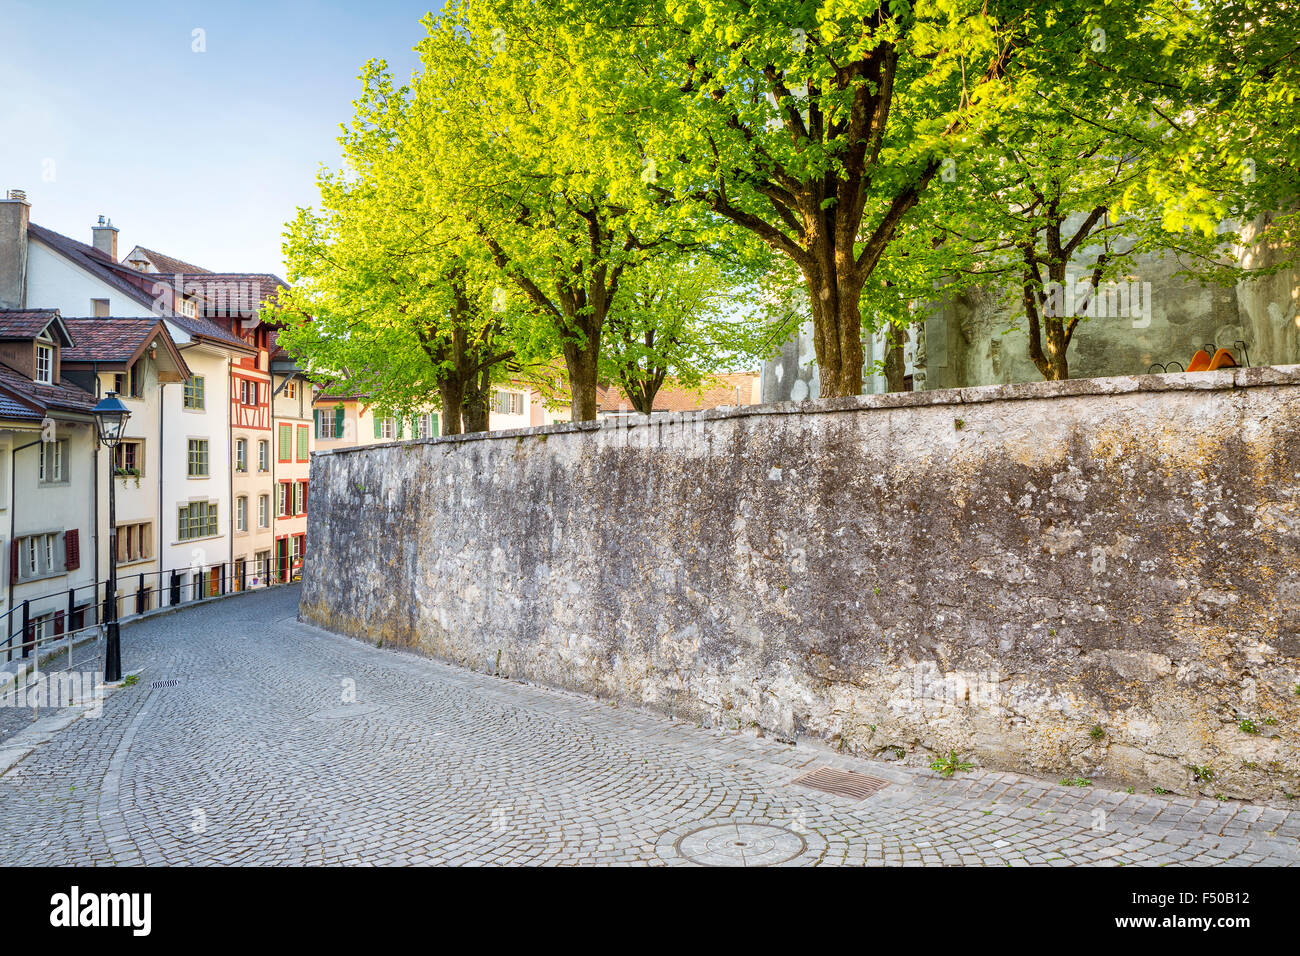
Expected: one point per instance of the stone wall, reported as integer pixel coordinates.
(1095, 578)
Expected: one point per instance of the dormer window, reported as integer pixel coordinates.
(44, 364)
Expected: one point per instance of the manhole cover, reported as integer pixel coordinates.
(741, 844)
(343, 711)
(841, 783)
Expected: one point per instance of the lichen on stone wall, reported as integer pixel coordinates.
(1095, 579)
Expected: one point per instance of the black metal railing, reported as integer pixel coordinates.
(36, 622)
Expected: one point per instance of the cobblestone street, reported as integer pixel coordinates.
(236, 746)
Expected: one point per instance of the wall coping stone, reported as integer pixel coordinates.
(1221, 380)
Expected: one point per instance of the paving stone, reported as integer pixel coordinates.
(285, 745)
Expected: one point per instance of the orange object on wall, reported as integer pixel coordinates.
(1200, 361)
(1223, 358)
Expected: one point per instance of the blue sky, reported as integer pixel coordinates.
(105, 109)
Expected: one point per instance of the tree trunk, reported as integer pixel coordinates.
(477, 404)
(581, 365)
(452, 392)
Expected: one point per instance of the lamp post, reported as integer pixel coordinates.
(110, 419)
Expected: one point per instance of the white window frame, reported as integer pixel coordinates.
(263, 511)
(241, 513)
(52, 468)
(46, 352)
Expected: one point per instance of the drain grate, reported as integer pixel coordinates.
(841, 783)
(166, 683)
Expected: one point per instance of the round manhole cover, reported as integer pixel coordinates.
(344, 711)
(741, 844)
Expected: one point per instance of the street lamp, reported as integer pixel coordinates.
(110, 419)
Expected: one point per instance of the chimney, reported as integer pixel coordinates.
(14, 216)
(105, 237)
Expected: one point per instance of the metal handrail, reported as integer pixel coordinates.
(176, 589)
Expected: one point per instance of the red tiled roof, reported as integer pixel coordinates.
(25, 324)
(44, 398)
(673, 398)
(107, 339)
(169, 264)
(140, 287)
(225, 293)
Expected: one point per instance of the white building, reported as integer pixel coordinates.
(194, 447)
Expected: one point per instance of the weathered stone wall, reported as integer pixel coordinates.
(1087, 578)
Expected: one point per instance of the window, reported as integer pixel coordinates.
(299, 548)
(286, 443)
(134, 541)
(39, 555)
(241, 513)
(262, 562)
(329, 422)
(45, 364)
(263, 511)
(129, 384)
(426, 426)
(508, 403)
(302, 442)
(388, 428)
(198, 458)
(128, 459)
(99, 308)
(247, 392)
(284, 501)
(300, 498)
(194, 392)
(241, 454)
(52, 466)
(263, 455)
(198, 519)
(291, 389)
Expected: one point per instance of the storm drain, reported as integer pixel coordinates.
(841, 783)
(166, 683)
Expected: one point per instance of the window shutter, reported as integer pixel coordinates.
(433, 426)
(315, 417)
(72, 549)
(378, 424)
(399, 426)
(338, 422)
(13, 561)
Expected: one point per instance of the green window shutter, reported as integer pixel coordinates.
(315, 419)
(399, 426)
(286, 447)
(338, 422)
(378, 425)
(302, 443)
(435, 426)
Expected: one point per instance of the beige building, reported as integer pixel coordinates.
(291, 412)
(133, 357)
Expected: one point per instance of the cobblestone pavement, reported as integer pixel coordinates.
(252, 756)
